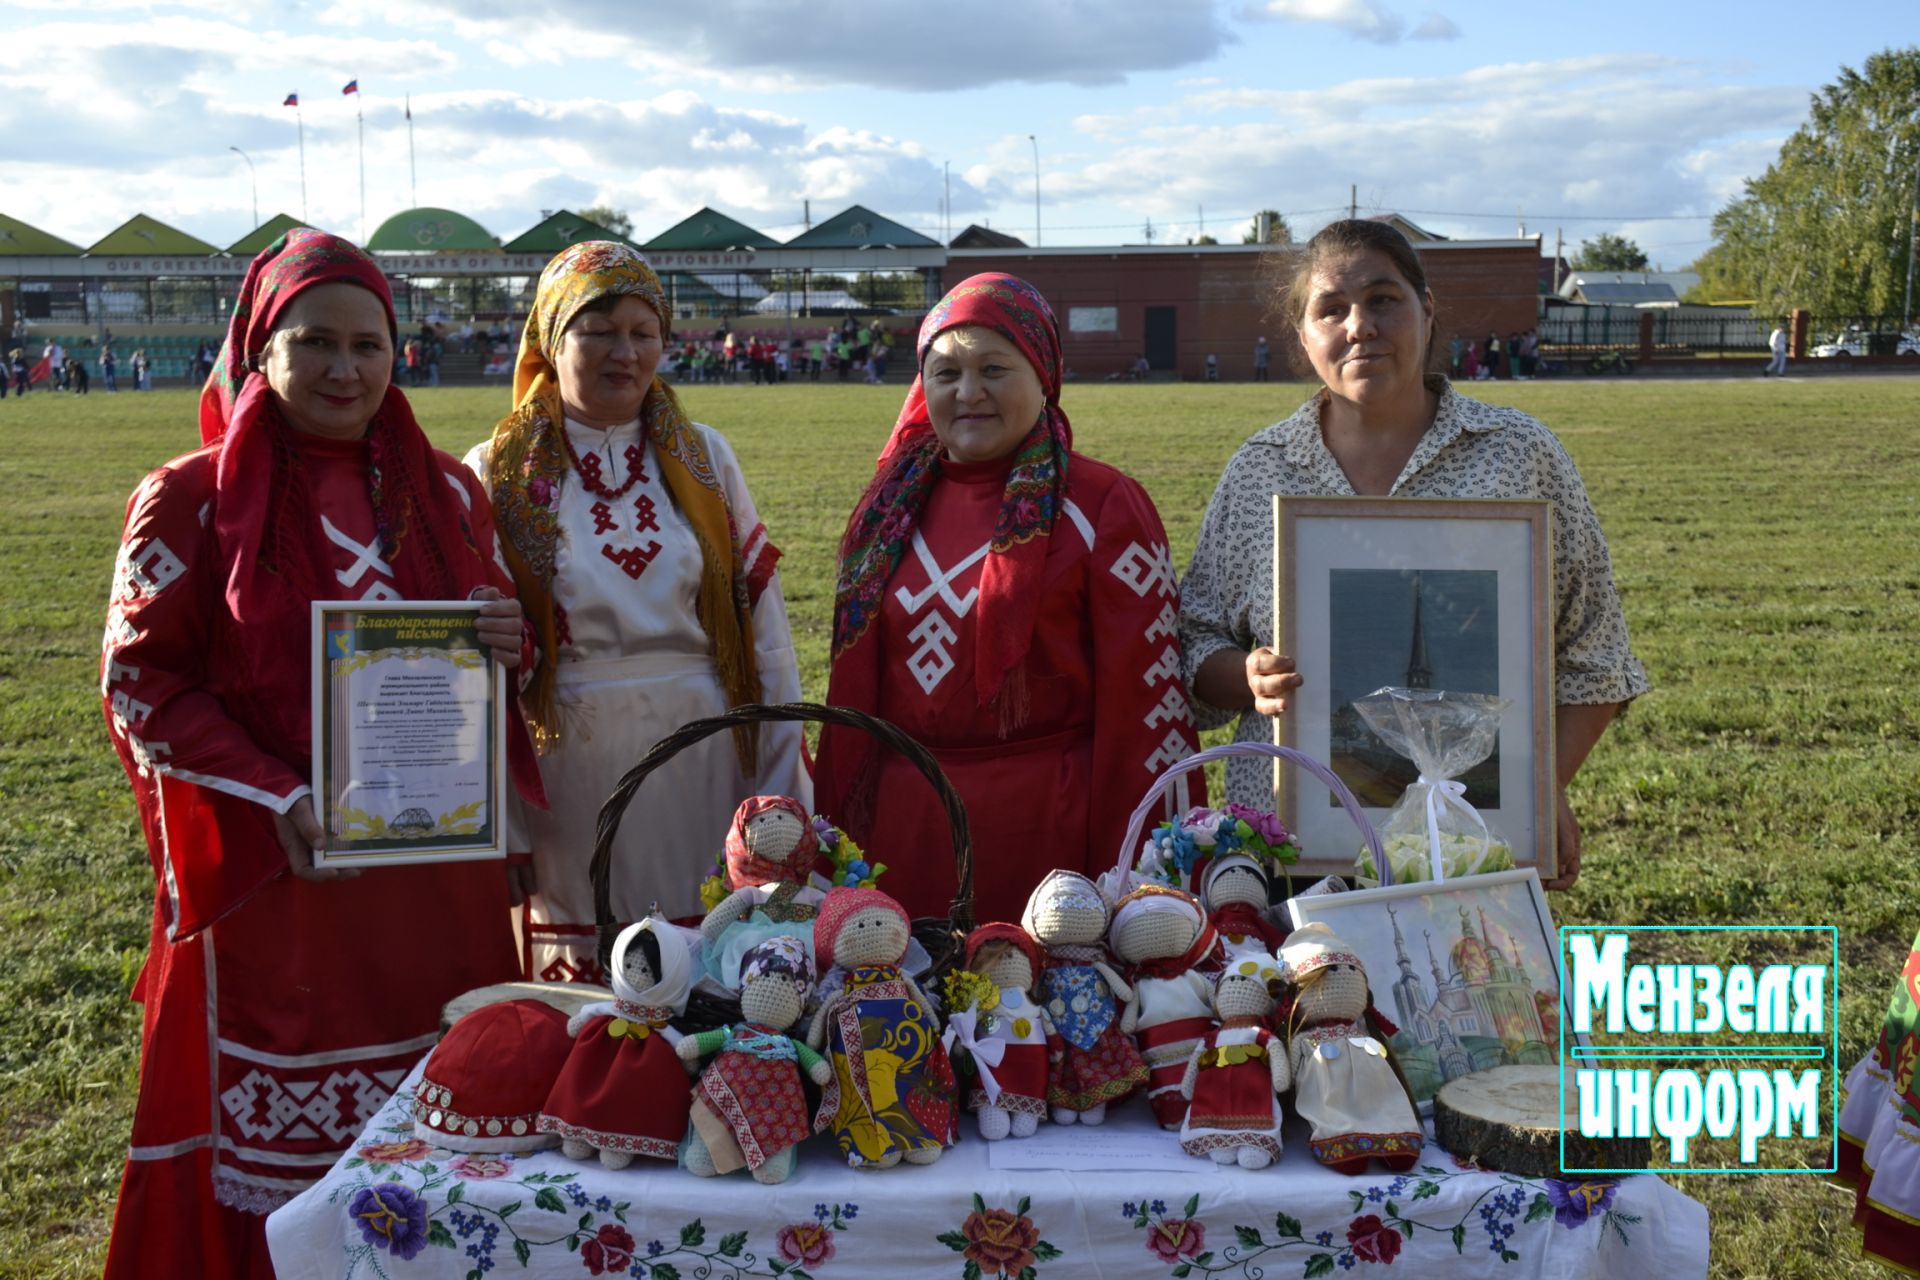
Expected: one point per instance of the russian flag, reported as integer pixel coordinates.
(293, 100)
(353, 86)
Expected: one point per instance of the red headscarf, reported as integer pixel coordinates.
(1011, 934)
(268, 539)
(745, 867)
(883, 522)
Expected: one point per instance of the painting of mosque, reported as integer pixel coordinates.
(1466, 970)
(1414, 629)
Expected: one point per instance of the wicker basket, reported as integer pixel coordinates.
(940, 936)
(1137, 824)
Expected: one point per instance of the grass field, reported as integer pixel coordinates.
(1766, 537)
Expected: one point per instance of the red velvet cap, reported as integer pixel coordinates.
(483, 1088)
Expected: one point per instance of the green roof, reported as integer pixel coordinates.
(17, 238)
(144, 235)
(859, 227)
(264, 234)
(431, 231)
(559, 231)
(712, 230)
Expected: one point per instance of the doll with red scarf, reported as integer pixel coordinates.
(771, 853)
(1007, 1037)
(1009, 602)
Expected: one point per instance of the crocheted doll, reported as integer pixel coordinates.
(749, 1109)
(771, 852)
(624, 1089)
(1344, 1084)
(1234, 889)
(1236, 1073)
(1163, 937)
(891, 1094)
(1007, 1036)
(1097, 1063)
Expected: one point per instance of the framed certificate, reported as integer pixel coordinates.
(1420, 593)
(409, 733)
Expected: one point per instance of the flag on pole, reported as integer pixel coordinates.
(352, 86)
(293, 100)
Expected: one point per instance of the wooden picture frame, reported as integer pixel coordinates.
(1464, 589)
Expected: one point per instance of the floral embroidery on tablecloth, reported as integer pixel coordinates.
(1381, 1235)
(999, 1242)
(408, 1196)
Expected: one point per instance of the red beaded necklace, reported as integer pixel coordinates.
(590, 474)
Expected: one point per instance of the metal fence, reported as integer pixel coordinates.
(1676, 330)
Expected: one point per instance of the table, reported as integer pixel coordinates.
(397, 1207)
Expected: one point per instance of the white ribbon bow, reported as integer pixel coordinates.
(1440, 793)
(962, 1029)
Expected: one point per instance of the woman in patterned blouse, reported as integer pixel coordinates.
(1383, 425)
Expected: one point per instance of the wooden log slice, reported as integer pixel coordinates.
(1508, 1118)
(567, 997)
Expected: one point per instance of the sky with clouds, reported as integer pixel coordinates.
(1474, 119)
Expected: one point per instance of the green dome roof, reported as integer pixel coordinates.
(431, 231)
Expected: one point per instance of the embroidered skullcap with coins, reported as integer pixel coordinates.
(482, 1089)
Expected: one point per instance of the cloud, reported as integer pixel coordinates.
(499, 156)
(1362, 19)
(1580, 138)
(914, 47)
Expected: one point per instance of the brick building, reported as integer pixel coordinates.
(1176, 303)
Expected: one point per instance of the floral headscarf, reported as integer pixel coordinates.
(527, 465)
(883, 522)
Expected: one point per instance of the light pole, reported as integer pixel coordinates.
(1036, 189)
(252, 177)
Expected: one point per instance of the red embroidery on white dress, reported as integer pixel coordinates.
(634, 560)
(636, 464)
(603, 521)
(562, 628)
(645, 519)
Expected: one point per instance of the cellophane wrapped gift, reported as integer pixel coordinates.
(1433, 833)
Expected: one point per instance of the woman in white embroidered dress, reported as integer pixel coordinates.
(650, 581)
(1382, 425)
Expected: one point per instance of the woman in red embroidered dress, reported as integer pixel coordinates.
(281, 1009)
(1009, 603)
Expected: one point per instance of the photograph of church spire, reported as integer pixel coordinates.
(1412, 629)
(1491, 997)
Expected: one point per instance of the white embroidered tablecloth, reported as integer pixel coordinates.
(399, 1208)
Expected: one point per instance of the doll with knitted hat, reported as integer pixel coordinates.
(749, 1110)
(624, 1090)
(771, 854)
(1344, 1084)
(1097, 1063)
(1237, 1072)
(890, 1096)
(1008, 1038)
(1163, 936)
(1234, 889)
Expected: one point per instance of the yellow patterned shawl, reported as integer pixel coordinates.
(526, 465)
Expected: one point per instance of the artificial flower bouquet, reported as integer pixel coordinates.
(1432, 833)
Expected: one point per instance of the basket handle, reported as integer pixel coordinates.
(1137, 824)
(960, 912)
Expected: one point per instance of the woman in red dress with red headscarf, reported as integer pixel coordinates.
(283, 1003)
(1012, 605)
